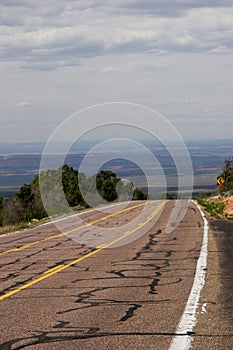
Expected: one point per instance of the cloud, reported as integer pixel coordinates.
(207, 110)
(222, 49)
(168, 8)
(108, 69)
(60, 34)
(188, 101)
(24, 104)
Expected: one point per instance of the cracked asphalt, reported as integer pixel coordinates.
(59, 293)
(214, 328)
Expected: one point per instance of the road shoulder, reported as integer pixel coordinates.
(214, 328)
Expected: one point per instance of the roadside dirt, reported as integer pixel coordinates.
(229, 206)
(220, 206)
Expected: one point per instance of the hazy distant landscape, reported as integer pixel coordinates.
(19, 163)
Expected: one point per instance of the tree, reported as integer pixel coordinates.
(227, 174)
(125, 190)
(139, 195)
(51, 187)
(13, 212)
(30, 199)
(25, 197)
(106, 182)
(52, 193)
(171, 196)
(70, 182)
(37, 207)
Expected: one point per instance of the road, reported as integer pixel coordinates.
(214, 328)
(113, 282)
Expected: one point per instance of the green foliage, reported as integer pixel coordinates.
(52, 193)
(227, 175)
(25, 198)
(214, 206)
(38, 211)
(30, 199)
(125, 190)
(25, 195)
(100, 187)
(171, 196)
(106, 182)
(70, 182)
(139, 195)
(13, 212)
(52, 185)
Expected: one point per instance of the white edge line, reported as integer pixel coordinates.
(183, 338)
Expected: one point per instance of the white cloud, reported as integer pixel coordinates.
(108, 69)
(207, 110)
(188, 101)
(222, 49)
(59, 34)
(168, 8)
(24, 104)
(163, 53)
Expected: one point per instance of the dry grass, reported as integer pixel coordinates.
(8, 228)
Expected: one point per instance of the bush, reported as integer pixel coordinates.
(28, 203)
(13, 212)
(227, 175)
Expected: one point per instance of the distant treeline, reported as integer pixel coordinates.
(27, 203)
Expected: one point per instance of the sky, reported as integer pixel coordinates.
(61, 56)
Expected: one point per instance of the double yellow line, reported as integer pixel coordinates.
(62, 267)
(28, 245)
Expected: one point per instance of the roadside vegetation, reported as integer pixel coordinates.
(227, 175)
(213, 205)
(26, 205)
(216, 206)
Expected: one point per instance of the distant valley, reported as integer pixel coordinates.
(19, 163)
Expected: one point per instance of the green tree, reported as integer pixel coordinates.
(13, 212)
(125, 190)
(30, 199)
(37, 207)
(139, 195)
(50, 188)
(106, 182)
(227, 174)
(25, 197)
(51, 191)
(70, 182)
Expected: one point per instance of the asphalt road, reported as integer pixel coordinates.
(215, 317)
(115, 280)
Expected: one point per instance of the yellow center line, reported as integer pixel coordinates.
(53, 269)
(59, 268)
(28, 245)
